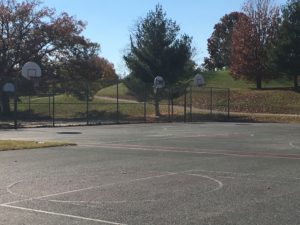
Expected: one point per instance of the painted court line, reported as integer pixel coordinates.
(60, 214)
(292, 144)
(8, 205)
(220, 184)
(99, 186)
(101, 202)
(8, 189)
(195, 151)
(150, 137)
(83, 189)
(217, 150)
(240, 174)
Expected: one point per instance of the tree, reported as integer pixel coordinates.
(219, 44)
(245, 51)
(284, 54)
(250, 40)
(157, 50)
(29, 32)
(85, 72)
(107, 68)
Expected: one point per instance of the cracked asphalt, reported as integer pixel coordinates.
(197, 173)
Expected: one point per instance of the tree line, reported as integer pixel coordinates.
(31, 32)
(259, 43)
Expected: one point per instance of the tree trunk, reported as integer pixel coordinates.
(5, 104)
(156, 103)
(258, 82)
(296, 85)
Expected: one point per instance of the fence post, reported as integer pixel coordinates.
(118, 110)
(29, 106)
(185, 104)
(16, 109)
(169, 105)
(191, 104)
(16, 96)
(172, 105)
(228, 103)
(49, 104)
(211, 101)
(87, 102)
(53, 107)
(145, 103)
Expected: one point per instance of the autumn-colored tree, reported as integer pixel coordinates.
(30, 32)
(85, 73)
(219, 44)
(245, 51)
(107, 68)
(284, 53)
(251, 38)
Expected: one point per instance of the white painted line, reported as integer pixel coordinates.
(86, 189)
(159, 135)
(226, 177)
(223, 172)
(8, 189)
(292, 144)
(60, 214)
(204, 151)
(241, 174)
(220, 184)
(101, 202)
(104, 185)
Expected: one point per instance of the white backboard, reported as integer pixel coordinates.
(31, 69)
(159, 82)
(9, 87)
(199, 80)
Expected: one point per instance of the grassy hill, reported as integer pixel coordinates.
(276, 97)
(277, 102)
(219, 79)
(222, 79)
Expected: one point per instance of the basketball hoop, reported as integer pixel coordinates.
(159, 83)
(199, 80)
(32, 71)
(9, 87)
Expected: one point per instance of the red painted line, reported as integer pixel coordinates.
(219, 136)
(202, 151)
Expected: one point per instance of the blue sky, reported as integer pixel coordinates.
(109, 22)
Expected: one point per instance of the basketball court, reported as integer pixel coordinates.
(200, 173)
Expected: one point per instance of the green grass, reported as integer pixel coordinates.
(265, 101)
(222, 79)
(219, 79)
(275, 98)
(6, 145)
(111, 91)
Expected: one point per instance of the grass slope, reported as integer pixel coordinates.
(276, 98)
(111, 91)
(222, 79)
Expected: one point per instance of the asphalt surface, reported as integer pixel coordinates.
(205, 173)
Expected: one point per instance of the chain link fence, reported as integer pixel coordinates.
(69, 102)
